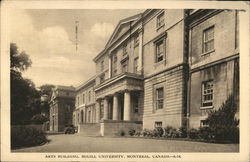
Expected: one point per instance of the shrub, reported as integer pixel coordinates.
(159, 132)
(183, 132)
(131, 132)
(222, 123)
(137, 133)
(121, 133)
(193, 133)
(171, 132)
(22, 136)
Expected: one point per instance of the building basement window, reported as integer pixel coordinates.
(207, 93)
(158, 124)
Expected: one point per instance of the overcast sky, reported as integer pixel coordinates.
(48, 37)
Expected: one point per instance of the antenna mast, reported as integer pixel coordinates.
(76, 30)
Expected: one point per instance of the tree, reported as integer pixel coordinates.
(25, 99)
(47, 89)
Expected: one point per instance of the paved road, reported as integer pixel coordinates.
(78, 143)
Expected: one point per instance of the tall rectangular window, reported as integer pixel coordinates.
(114, 65)
(159, 50)
(102, 65)
(89, 95)
(125, 66)
(102, 78)
(136, 40)
(124, 51)
(136, 65)
(159, 98)
(208, 39)
(83, 98)
(207, 93)
(160, 20)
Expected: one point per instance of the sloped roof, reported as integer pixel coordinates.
(68, 88)
(124, 23)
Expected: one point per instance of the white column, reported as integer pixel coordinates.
(140, 51)
(110, 70)
(97, 118)
(105, 104)
(127, 105)
(115, 107)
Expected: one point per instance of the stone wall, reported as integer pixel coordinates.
(89, 129)
(112, 128)
(171, 114)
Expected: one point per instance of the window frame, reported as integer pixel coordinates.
(102, 65)
(205, 42)
(83, 98)
(157, 99)
(160, 23)
(124, 49)
(114, 68)
(125, 62)
(203, 94)
(158, 43)
(136, 40)
(136, 64)
(102, 78)
(158, 124)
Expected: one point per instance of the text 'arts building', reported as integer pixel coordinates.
(161, 68)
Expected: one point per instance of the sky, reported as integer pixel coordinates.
(48, 37)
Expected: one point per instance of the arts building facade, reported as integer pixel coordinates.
(161, 68)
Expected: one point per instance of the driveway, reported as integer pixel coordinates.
(79, 143)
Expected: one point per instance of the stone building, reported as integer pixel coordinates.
(84, 114)
(61, 107)
(213, 61)
(159, 68)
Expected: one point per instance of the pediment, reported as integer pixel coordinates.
(122, 27)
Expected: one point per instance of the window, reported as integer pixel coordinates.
(160, 20)
(136, 103)
(207, 93)
(159, 98)
(158, 124)
(159, 50)
(78, 100)
(83, 98)
(136, 40)
(102, 78)
(114, 65)
(125, 66)
(136, 65)
(204, 123)
(208, 40)
(102, 65)
(125, 49)
(89, 95)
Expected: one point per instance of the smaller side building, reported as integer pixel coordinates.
(84, 111)
(61, 107)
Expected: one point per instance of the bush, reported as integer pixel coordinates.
(159, 132)
(121, 133)
(222, 123)
(131, 132)
(193, 133)
(183, 132)
(22, 136)
(171, 132)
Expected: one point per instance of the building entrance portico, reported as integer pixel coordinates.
(119, 103)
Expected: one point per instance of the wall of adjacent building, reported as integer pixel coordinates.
(220, 66)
